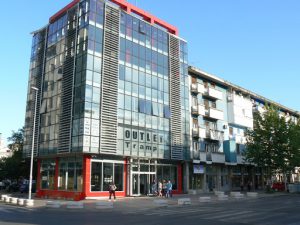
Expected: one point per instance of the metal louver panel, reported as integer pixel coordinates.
(109, 105)
(37, 83)
(64, 142)
(175, 99)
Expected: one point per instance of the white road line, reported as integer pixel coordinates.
(226, 214)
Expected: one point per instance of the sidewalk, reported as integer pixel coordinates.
(136, 203)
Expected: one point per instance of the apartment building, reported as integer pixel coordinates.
(221, 112)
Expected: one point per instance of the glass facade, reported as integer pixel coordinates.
(47, 171)
(104, 173)
(87, 85)
(143, 93)
(70, 58)
(70, 174)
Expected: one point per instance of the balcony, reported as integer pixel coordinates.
(215, 135)
(199, 132)
(198, 110)
(239, 139)
(218, 157)
(194, 88)
(215, 113)
(214, 93)
(197, 88)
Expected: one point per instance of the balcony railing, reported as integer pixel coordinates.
(197, 88)
(239, 139)
(198, 110)
(218, 157)
(214, 93)
(214, 113)
(194, 88)
(199, 132)
(215, 134)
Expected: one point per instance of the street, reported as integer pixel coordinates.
(273, 210)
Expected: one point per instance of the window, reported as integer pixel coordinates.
(70, 175)
(102, 174)
(155, 109)
(167, 113)
(142, 106)
(47, 174)
(127, 102)
(214, 105)
(96, 176)
(148, 108)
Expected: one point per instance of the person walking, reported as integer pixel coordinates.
(160, 189)
(112, 190)
(169, 189)
(154, 188)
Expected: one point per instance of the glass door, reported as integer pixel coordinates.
(141, 183)
(135, 184)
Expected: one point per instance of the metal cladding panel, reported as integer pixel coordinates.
(65, 128)
(175, 99)
(109, 106)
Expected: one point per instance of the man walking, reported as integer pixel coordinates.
(112, 190)
(169, 189)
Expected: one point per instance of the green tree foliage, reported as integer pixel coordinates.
(274, 143)
(16, 166)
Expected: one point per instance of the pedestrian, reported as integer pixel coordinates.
(169, 189)
(160, 189)
(154, 188)
(112, 190)
(242, 186)
(164, 188)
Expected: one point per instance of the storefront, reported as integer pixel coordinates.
(89, 177)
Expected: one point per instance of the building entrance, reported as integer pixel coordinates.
(141, 183)
(142, 175)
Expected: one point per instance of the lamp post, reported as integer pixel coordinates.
(32, 144)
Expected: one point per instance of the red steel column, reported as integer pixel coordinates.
(125, 177)
(56, 174)
(86, 171)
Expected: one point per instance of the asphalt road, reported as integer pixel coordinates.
(277, 210)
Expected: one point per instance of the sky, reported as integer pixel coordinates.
(252, 43)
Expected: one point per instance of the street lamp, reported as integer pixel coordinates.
(32, 144)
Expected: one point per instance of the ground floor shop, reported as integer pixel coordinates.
(89, 176)
(209, 177)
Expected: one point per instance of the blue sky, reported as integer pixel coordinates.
(252, 43)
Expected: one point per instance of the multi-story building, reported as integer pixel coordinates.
(116, 102)
(217, 161)
(112, 101)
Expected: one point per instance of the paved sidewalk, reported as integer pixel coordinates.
(140, 203)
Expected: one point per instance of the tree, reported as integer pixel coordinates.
(16, 166)
(273, 144)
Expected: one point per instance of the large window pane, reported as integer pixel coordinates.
(107, 175)
(119, 176)
(96, 176)
(71, 176)
(47, 175)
